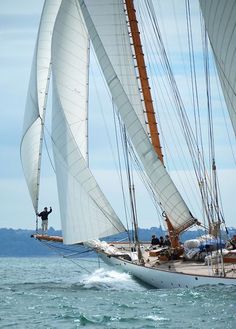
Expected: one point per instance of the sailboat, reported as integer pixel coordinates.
(68, 31)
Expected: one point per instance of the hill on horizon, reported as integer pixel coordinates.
(18, 242)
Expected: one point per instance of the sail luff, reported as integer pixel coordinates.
(31, 143)
(42, 119)
(169, 198)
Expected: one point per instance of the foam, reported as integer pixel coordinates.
(111, 280)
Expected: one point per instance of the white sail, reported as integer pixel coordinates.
(220, 21)
(168, 195)
(36, 100)
(110, 20)
(85, 212)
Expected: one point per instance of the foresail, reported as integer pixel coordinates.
(220, 21)
(168, 195)
(85, 212)
(110, 20)
(70, 64)
(31, 142)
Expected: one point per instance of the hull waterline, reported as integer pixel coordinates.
(159, 278)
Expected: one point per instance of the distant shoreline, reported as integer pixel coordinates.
(18, 242)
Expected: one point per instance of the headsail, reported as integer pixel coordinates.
(168, 195)
(31, 143)
(85, 212)
(220, 21)
(110, 21)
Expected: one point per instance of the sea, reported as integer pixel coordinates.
(56, 292)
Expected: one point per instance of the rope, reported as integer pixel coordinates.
(120, 171)
(195, 150)
(55, 249)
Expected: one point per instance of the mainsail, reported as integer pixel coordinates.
(220, 23)
(31, 143)
(167, 193)
(85, 212)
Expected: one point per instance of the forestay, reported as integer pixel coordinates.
(85, 212)
(220, 21)
(168, 195)
(31, 142)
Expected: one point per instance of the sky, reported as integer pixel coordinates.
(19, 23)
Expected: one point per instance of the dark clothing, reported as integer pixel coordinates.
(167, 242)
(161, 242)
(44, 214)
(155, 241)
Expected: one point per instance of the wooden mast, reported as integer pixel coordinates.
(147, 98)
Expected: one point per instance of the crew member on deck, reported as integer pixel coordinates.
(155, 241)
(44, 216)
(161, 241)
(167, 242)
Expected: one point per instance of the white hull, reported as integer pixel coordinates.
(159, 278)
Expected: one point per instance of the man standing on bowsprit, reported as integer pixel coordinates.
(44, 216)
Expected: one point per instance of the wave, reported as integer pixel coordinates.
(100, 279)
(112, 280)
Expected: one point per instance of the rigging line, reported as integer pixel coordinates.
(194, 81)
(109, 217)
(71, 260)
(47, 149)
(151, 45)
(69, 249)
(124, 145)
(132, 180)
(109, 139)
(146, 181)
(182, 112)
(185, 122)
(222, 107)
(192, 64)
(120, 170)
(176, 135)
(76, 179)
(210, 129)
(189, 136)
(124, 139)
(218, 62)
(131, 194)
(196, 97)
(166, 63)
(215, 183)
(181, 158)
(102, 108)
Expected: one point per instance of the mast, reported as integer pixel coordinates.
(41, 140)
(147, 98)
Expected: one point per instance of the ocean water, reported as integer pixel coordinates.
(56, 293)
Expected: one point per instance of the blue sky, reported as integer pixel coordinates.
(19, 23)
